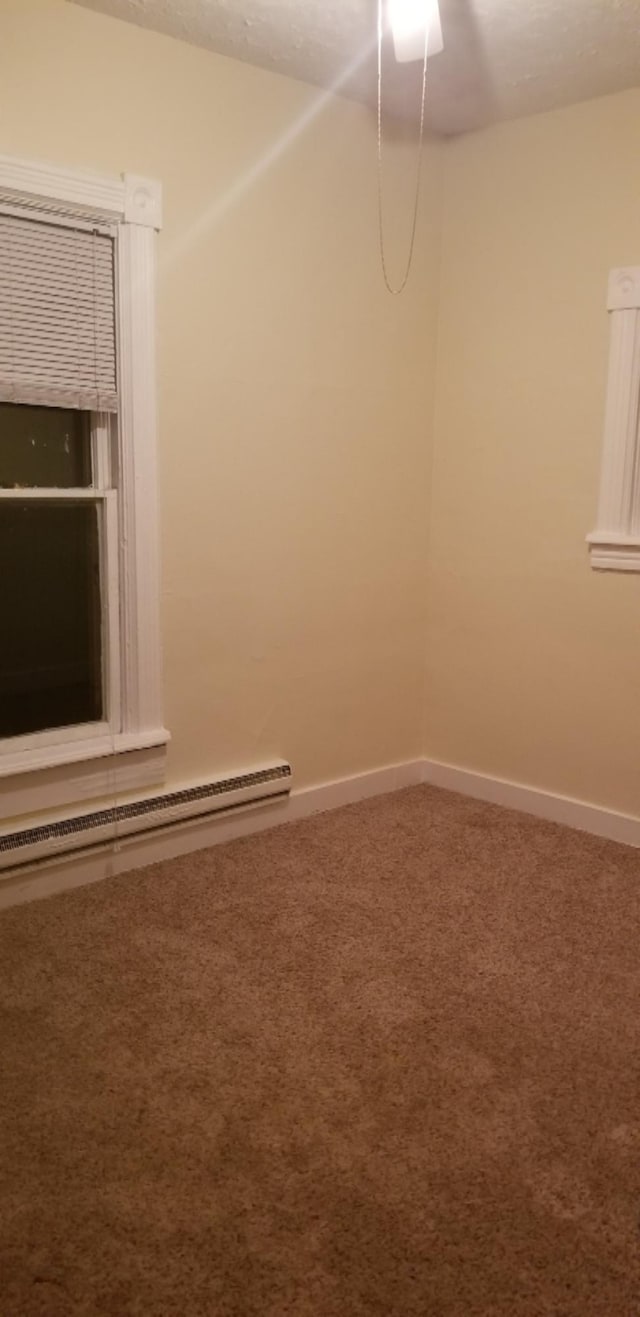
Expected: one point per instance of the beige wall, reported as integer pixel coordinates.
(297, 402)
(533, 659)
(295, 394)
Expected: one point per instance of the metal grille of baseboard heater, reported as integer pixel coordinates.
(87, 830)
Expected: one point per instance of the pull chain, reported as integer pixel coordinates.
(400, 287)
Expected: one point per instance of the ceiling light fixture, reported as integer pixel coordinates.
(411, 21)
(416, 31)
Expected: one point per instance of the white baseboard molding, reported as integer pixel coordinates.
(348, 790)
(530, 800)
(63, 873)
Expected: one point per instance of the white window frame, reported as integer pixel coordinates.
(615, 545)
(47, 769)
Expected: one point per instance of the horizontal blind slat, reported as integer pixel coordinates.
(58, 284)
(33, 306)
(55, 373)
(50, 285)
(26, 231)
(54, 337)
(18, 251)
(14, 259)
(30, 304)
(58, 395)
(70, 361)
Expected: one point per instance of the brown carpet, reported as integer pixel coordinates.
(385, 1061)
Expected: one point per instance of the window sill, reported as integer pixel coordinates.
(57, 775)
(614, 553)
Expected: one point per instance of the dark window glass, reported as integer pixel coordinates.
(46, 447)
(50, 630)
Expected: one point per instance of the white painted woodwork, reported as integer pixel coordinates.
(141, 674)
(615, 544)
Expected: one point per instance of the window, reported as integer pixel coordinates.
(79, 637)
(615, 545)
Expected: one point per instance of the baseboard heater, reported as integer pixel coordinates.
(103, 826)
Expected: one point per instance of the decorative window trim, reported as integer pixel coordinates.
(615, 545)
(138, 750)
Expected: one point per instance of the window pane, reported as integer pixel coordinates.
(50, 631)
(48, 447)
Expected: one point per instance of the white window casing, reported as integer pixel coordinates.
(615, 544)
(121, 217)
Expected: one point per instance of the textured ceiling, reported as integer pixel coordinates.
(502, 58)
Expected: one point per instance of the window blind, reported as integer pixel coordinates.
(57, 315)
